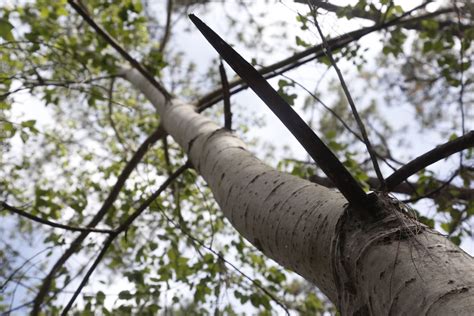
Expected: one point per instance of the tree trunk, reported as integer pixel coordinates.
(391, 265)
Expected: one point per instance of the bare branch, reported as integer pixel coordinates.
(313, 145)
(428, 158)
(43, 221)
(461, 79)
(226, 94)
(109, 39)
(167, 33)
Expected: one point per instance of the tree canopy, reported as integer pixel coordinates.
(90, 178)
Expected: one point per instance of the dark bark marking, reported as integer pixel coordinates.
(454, 291)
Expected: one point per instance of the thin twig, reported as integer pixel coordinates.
(428, 158)
(218, 255)
(167, 33)
(109, 39)
(123, 227)
(433, 192)
(384, 159)
(326, 107)
(12, 275)
(111, 114)
(43, 221)
(365, 137)
(17, 308)
(461, 79)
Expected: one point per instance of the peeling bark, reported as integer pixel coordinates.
(390, 265)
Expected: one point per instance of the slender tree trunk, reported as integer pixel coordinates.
(391, 265)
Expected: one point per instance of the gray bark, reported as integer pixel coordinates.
(391, 265)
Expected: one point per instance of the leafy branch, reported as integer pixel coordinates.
(308, 55)
(43, 221)
(112, 42)
(75, 245)
(122, 228)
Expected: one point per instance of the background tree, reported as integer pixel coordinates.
(90, 162)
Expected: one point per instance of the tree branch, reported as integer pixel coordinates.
(167, 33)
(304, 57)
(313, 145)
(226, 94)
(109, 39)
(358, 13)
(435, 191)
(409, 188)
(123, 227)
(428, 158)
(133, 162)
(43, 221)
(348, 95)
(111, 115)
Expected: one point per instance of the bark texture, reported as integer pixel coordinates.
(390, 265)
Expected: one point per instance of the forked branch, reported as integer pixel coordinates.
(76, 244)
(123, 227)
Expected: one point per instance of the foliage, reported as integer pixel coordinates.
(182, 256)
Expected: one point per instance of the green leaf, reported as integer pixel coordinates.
(301, 42)
(125, 295)
(6, 30)
(100, 297)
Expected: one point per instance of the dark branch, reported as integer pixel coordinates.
(226, 95)
(109, 39)
(352, 12)
(305, 56)
(415, 24)
(75, 245)
(43, 221)
(428, 158)
(167, 33)
(409, 188)
(123, 227)
(433, 192)
(348, 95)
(313, 145)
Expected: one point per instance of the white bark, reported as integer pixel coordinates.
(365, 268)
